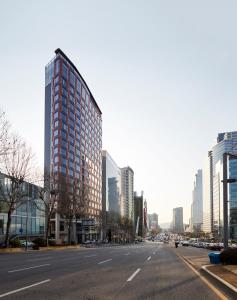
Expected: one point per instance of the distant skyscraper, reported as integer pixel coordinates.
(145, 217)
(178, 226)
(153, 221)
(197, 203)
(226, 142)
(127, 203)
(73, 135)
(139, 214)
(111, 192)
(111, 188)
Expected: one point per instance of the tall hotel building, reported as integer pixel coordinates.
(73, 136)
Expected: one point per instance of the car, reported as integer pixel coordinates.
(25, 243)
(87, 242)
(185, 243)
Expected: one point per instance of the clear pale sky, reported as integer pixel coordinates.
(163, 73)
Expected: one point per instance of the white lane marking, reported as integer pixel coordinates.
(90, 255)
(134, 274)
(149, 258)
(104, 261)
(33, 267)
(126, 253)
(24, 288)
(40, 258)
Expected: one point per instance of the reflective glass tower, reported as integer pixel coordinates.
(226, 142)
(73, 132)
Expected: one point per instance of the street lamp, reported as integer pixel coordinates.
(225, 196)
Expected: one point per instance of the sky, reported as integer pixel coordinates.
(162, 72)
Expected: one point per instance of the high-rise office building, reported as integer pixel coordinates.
(139, 214)
(127, 201)
(153, 221)
(111, 192)
(226, 142)
(73, 138)
(197, 203)
(111, 187)
(207, 194)
(178, 226)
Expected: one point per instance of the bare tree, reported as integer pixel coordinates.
(16, 165)
(4, 131)
(48, 195)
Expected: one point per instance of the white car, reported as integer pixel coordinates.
(185, 243)
(29, 244)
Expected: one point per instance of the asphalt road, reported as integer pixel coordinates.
(140, 271)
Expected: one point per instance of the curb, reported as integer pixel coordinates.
(227, 284)
(204, 268)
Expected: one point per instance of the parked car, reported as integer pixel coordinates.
(25, 243)
(185, 243)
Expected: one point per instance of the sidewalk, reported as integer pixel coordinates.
(226, 274)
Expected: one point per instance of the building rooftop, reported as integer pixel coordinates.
(59, 51)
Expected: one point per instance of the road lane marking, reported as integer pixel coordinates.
(134, 274)
(149, 258)
(28, 268)
(104, 261)
(126, 253)
(211, 286)
(39, 258)
(24, 288)
(90, 255)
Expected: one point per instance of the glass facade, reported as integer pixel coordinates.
(226, 142)
(27, 217)
(73, 131)
(178, 226)
(197, 204)
(111, 184)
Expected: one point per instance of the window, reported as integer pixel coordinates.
(56, 89)
(83, 93)
(78, 87)
(56, 106)
(64, 92)
(72, 79)
(57, 66)
(63, 170)
(87, 99)
(65, 71)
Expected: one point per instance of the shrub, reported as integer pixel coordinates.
(52, 243)
(40, 242)
(35, 247)
(229, 256)
(15, 243)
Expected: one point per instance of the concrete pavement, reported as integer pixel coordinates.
(140, 271)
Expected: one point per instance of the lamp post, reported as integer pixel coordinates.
(225, 196)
